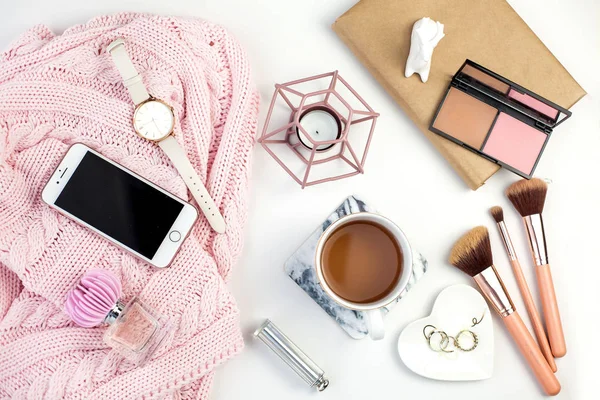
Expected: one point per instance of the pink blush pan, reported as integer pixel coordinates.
(515, 143)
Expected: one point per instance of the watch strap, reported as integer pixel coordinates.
(181, 162)
(131, 78)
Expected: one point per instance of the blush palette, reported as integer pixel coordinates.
(497, 119)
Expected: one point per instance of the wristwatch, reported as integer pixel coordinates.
(154, 120)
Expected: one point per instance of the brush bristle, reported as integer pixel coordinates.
(528, 196)
(472, 253)
(497, 214)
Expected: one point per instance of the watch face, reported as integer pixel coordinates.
(153, 120)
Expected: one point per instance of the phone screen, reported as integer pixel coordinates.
(119, 205)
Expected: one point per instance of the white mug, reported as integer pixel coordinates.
(372, 311)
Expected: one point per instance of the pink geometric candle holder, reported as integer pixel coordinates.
(318, 129)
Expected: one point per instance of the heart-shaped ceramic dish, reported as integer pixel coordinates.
(454, 310)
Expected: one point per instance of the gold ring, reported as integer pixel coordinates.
(473, 335)
(443, 341)
(454, 342)
(431, 333)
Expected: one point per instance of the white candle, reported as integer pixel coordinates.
(321, 126)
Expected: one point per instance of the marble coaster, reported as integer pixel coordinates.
(300, 268)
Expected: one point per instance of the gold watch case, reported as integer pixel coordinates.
(141, 105)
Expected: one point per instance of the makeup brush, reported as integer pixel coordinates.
(528, 197)
(534, 316)
(472, 254)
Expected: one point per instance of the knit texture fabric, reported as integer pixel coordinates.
(59, 90)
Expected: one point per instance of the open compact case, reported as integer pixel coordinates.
(497, 119)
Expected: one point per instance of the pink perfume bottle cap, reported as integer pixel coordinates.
(94, 298)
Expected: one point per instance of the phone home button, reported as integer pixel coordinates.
(175, 236)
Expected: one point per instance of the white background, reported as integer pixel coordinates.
(407, 180)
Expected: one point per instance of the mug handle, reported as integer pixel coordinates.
(374, 319)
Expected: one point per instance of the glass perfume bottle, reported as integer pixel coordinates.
(134, 330)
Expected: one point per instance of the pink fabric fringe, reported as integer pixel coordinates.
(58, 90)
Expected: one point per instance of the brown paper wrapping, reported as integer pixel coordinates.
(488, 32)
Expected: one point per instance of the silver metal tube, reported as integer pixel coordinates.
(114, 313)
(534, 226)
(292, 355)
(493, 289)
(510, 249)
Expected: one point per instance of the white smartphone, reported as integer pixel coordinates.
(120, 205)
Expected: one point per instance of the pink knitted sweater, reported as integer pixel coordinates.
(58, 90)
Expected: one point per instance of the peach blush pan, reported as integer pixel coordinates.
(465, 118)
(515, 143)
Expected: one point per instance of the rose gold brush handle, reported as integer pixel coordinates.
(534, 316)
(550, 309)
(532, 353)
